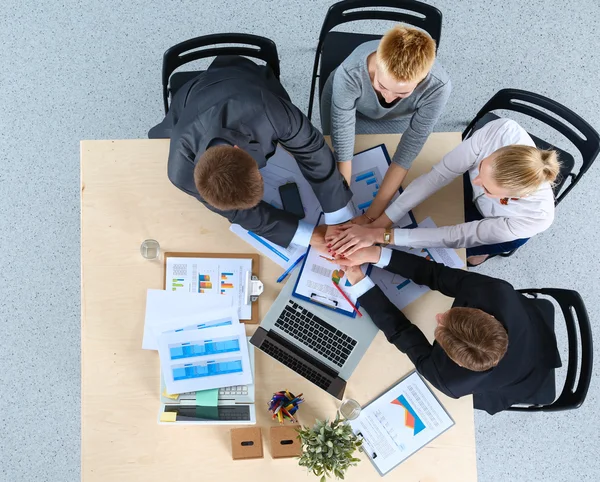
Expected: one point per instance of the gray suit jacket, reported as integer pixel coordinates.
(245, 105)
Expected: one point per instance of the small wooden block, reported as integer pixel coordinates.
(284, 442)
(246, 443)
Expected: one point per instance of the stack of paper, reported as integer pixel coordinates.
(203, 351)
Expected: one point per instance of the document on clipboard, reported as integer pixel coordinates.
(400, 422)
(315, 283)
(226, 278)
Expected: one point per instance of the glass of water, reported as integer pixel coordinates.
(150, 249)
(350, 409)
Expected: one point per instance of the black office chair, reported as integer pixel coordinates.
(253, 46)
(334, 47)
(529, 103)
(580, 353)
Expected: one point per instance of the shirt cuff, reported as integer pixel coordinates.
(303, 234)
(386, 256)
(400, 237)
(340, 216)
(354, 292)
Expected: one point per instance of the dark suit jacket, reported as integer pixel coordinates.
(245, 105)
(531, 353)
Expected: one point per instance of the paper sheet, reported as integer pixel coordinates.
(368, 169)
(164, 306)
(212, 279)
(402, 291)
(316, 283)
(207, 318)
(400, 422)
(204, 359)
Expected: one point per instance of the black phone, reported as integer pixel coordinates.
(290, 198)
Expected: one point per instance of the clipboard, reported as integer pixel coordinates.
(413, 224)
(367, 445)
(316, 298)
(253, 280)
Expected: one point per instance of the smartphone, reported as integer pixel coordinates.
(290, 198)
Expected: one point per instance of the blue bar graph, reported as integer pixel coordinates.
(208, 347)
(364, 205)
(371, 181)
(210, 369)
(364, 176)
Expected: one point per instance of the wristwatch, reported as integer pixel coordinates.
(387, 237)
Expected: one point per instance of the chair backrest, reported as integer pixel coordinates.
(580, 351)
(587, 140)
(418, 14)
(194, 49)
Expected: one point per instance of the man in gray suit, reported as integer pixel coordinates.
(224, 125)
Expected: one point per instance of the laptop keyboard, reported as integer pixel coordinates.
(315, 333)
(236, 391)
(295, 364)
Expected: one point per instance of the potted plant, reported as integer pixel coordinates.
(328, 448)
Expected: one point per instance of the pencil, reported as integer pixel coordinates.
(346, 298)
(325, 257)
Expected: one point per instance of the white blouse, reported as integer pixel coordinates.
(521, 218)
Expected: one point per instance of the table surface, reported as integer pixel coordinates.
(126, 198)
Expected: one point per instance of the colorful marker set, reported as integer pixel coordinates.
(284, 405)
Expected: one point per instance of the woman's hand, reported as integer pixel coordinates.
(354, 274)
(361, 220)
(353, 237)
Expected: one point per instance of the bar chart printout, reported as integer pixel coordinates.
(203, 359)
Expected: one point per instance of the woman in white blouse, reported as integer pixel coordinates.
(508, 200)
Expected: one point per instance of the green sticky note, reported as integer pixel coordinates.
(207, 398)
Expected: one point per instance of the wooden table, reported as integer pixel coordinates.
(126, 198)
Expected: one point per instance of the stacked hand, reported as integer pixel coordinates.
(361, 256)
(349, 238)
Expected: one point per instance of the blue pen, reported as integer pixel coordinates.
(288, 271)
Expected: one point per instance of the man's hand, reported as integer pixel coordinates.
(354, 274)
(352, 238)
(317, 240)
(362, 256)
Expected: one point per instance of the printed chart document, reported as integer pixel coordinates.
(400, 422)
(368, 169)
(401, 291)
(193, 360)
(211, 279)
(163, 306)
(199, 321)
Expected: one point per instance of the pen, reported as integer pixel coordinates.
(325, 257)
(347, 299)
(287, 271)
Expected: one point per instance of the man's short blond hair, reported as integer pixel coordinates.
(407, 54)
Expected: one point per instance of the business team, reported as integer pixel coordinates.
(226, 123)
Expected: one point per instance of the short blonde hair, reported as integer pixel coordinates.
(523, 169)
(228, 178)
(472, 338)
(407, 54)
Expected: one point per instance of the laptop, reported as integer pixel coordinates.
(321, 345)
(235, 405)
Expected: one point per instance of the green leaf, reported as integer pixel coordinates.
(323, 479)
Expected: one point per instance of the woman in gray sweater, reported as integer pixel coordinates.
(397, 83)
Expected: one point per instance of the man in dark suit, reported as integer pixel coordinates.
(493, 342)
(224, 125)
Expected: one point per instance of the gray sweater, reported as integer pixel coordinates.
(353, 91)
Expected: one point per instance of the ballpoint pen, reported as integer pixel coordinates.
(347, 299)
(287, 271)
